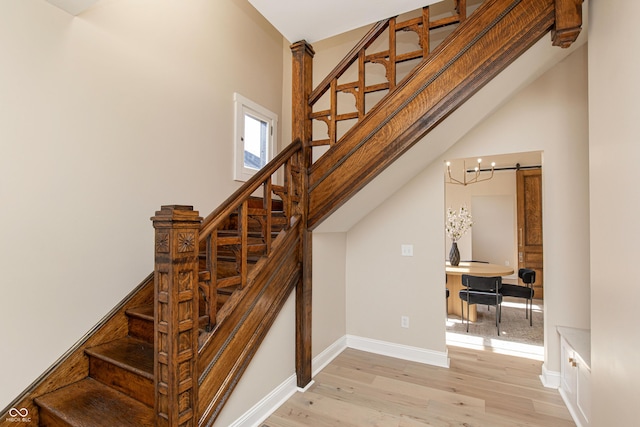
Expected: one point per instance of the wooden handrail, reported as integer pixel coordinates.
(247, 189)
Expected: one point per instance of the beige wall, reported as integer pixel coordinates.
(614, 147)
(382, 285)
(105, 117)
(329, 293)
(550, 115)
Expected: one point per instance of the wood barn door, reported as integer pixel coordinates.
(529, 195)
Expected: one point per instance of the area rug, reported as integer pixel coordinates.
(515, 331)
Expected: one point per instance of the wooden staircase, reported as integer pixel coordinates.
(119, 389)
(171, 353)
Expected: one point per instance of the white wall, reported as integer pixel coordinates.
(614, 149)
(550, 115)
(104, 117)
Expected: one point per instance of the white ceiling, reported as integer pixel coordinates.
(309, 20)
(314, 20)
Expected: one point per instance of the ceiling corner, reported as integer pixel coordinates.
(73, 7)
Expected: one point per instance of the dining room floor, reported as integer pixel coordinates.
(516, 337)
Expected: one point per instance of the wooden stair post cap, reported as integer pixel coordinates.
(176, 213)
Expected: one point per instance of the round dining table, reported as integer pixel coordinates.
(454, 283)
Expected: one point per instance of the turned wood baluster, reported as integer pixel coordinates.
(287, 188)
(360, 99)
(212, 267)
(243, 230)
(176, 315)
(333, 113)
(267, 205)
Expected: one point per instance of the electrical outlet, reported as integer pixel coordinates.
(404, 321)
(406, 250)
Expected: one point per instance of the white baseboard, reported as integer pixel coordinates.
(550, 379)
(265, 407)
(399, 351)
(577, 418)
(330, 353)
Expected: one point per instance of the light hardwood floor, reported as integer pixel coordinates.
(480, 388)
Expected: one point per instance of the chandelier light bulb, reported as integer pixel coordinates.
(478, 174)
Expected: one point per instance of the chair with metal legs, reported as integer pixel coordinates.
(528, 277)
(481, 290)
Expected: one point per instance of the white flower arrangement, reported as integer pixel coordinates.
(458, 223)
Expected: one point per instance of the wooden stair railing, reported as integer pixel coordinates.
(176, 363)
(197, 368)
(219, 229)
(389, 58)
(481, 46)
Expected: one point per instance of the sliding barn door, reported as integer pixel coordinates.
(529, 183)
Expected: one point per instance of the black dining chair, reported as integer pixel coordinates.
(481, 290)
(528, 277)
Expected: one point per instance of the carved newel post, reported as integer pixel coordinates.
(176, 315)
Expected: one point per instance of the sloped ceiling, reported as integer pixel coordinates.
(314, 20)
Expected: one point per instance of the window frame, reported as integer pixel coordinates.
(243, 107)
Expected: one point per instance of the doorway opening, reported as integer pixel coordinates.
(506, 210)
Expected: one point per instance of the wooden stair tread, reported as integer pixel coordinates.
(90, 403)
(144, 312)
(127, 353)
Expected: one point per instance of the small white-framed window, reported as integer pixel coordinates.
(255, 130)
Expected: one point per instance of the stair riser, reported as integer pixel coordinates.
(141, 329)
(47, 419)
(127, 382)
